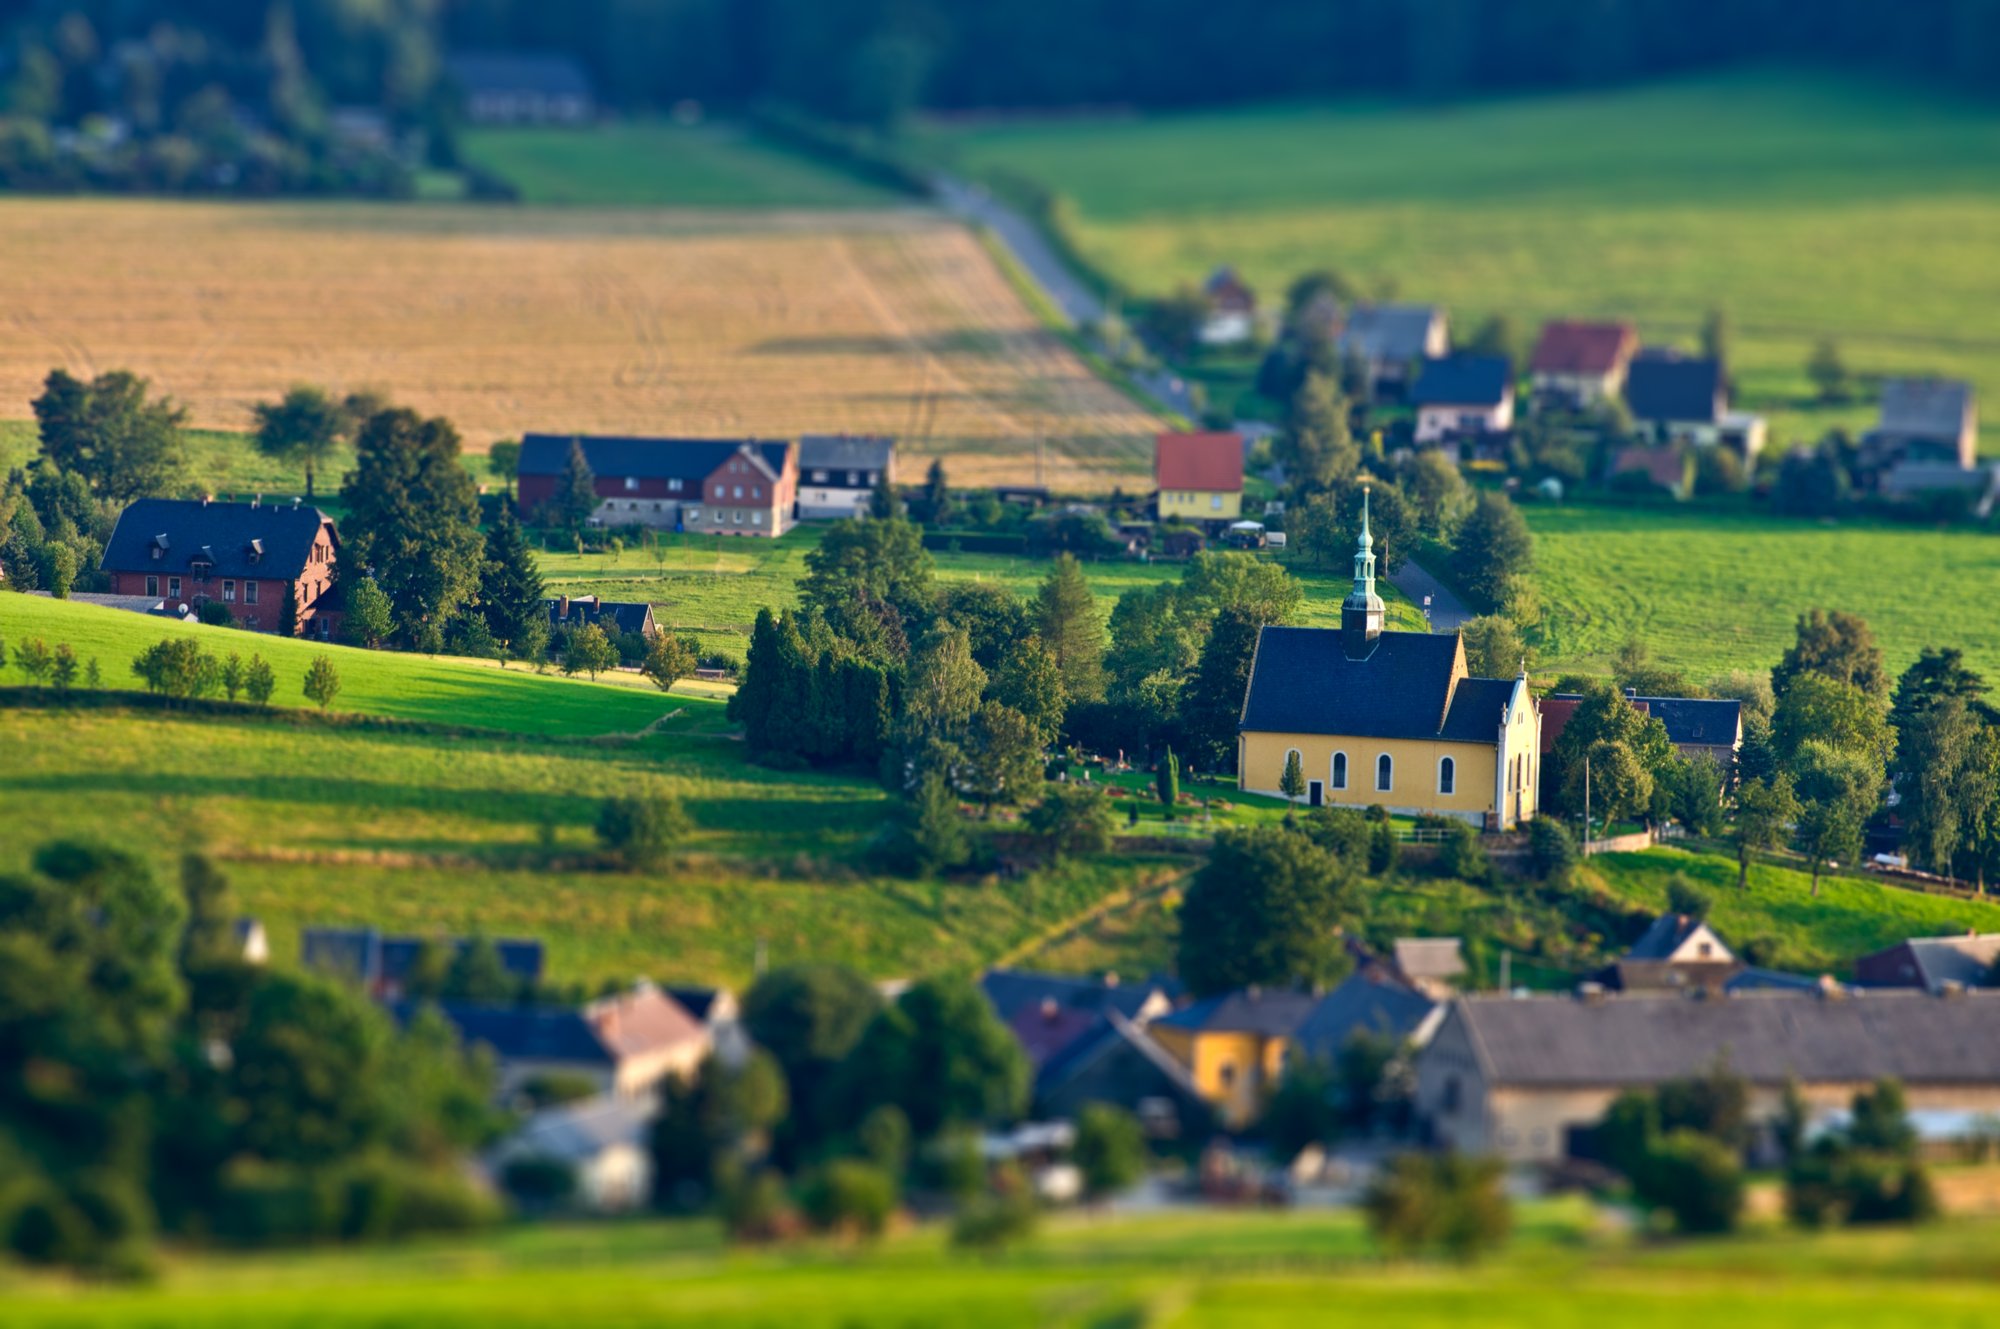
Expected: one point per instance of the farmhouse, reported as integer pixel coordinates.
(1199, 477)
(248, 557)
(1933, 963)
(1387, 717)
(1463, 397)
(570, 612)
(521, 88)
(838, 473)
(1232, 309)
(1922, 420)
(626, 1044)
(1685, 399)
(1526, 1078)
(605, 1143)
(1696, 726)
(1389, 341)
(698, 485)
(1580, 364)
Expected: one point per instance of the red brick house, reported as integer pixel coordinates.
(248, 556)
(698, 485)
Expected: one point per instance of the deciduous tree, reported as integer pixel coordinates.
(306, 426)
(124, 444)
(1265, 909)
(413, 520)
(322, 683)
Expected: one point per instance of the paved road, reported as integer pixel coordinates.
(1448, 612)
(1077, 304)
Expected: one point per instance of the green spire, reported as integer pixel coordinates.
(1364, 556)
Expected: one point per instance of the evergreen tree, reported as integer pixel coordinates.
(258, 680)
(883, 505)
(511, 594)
(478, 975)
(1072, 630)
(1494, 547)
(938, 509)
(1292, 782)
(288, 612)
(368, 618)
(1837, 645)
(1213, 701)
(322, 683)
(413, 519)
(1316, 446)
(575, 499)
(1167, 780)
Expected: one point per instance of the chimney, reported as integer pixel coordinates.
(1590, 994)
(207, 499)
(1111, 978)
(1050, 1008)
(562, 606)
(256, 500)
(295, 500)
(1950, 989)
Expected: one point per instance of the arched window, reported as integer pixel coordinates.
(1385, 772)
(1447, 775)
(1339, 770)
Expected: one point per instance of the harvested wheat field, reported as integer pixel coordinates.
(507, 320)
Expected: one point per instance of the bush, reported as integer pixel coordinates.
(1444, 1202)
(215, 614)
(538, 1182)
(988, 1222)
(1551, 850)
(850, 1197)
(1072, 819)
(1461, 855)
(1110, 1149)
(753, 1206)
(1696, 1179)
(642, 831)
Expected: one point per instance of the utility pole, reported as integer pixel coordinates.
(1586, 805)
(1506, 971)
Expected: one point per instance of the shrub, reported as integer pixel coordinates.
(215, 614)
(1696, 1179)
(537, 1181)
(753, 1205)
(258, 681)
(988, 1222)
(1461, 855)
(849, 1197)
(1443, 1202)
(642, 831)
(178, 668)
(1551, 850)
(322, 683)
(1072, 819)
(1110, 1149)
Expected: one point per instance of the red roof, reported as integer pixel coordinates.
(1583, 348)
(1208, 463)
(1556, 712)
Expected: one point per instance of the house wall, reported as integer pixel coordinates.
(738, 499)
(821, 503)
(615, 1180)
(1582, 389)
(1201, 504)
(1261, 765)
(256, 603)
(1435, 423)
(640, 1072)
(1235, 1072)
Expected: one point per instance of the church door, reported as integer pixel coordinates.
(1315, 793)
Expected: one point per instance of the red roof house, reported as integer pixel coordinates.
(1199, 476)
(1582, 362)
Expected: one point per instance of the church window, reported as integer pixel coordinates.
(1447, 775)
(1385, 772)
(1339, 780)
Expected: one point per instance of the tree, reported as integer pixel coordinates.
(1437, 493)
(1765, 811)
(1715, 338)
(179, 668)
(1448, 1202)
(1167, 780)
(937, 504)
(61, 570)
(413, 520)
(1493, 646)
(1003, 756)
(1264, 909)
(1292, 782)
(1936, 676)
(809, 1017)
(1301, 1110)
(368, 618)
(1110, 1149)
(1828, 371)
(1314, 531)
(305, 427)
(1499, 335)
(871, 581)
(575, 501)
(34, 659)
(1945, 766)
(63, 667)
(1811, 484)
(1213, 701)
(1837, 790)
(1028, 678)
(1392, 524)
(1494, 547)
(322, 681)
(232, 676)
(943, 1056)
(107, 431)
(1619, 785)
(258, 680)
(1817, 707)
(1071, 820)
(669, 659)
(589, 652)
(642, 830)
(1695, 1178)
(1175, 320)
(511, 593)
(883, 505)
(1836, 645)
(1315, 445)
(1071, 629)
(503, 463)
(477, 974)
(288, 612)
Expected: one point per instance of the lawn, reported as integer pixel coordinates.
(1709, 591)
(714, 587)
(1175, 1271)
(661, 164)
(1806, 206)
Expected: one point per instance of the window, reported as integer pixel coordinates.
(736, 517)
(1339, 780)
(1385, 772)
(1215, 502)
(229, 591)
(854, 477)
(249, 592)
(174, 587)
(756, 519)
(631, 484)
(693, 516)
(756, 491)
(152, 585)
(631, 507)
(819, 477)
(736, 492)
(1448, 1100)
(1447, 775)
(656, 507)
(674, 485)
(1227, 1074)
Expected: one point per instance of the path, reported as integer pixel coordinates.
(1448, 612)
(1075, 302)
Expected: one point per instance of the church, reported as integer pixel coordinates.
(1393, 718)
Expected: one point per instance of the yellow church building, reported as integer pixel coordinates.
(1393, 718)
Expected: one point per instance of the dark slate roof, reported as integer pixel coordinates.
(1766, 1036)
(1114, 1032)
(366, 955)
(1302, 682)
(1925, 407)
(1664, 386)
(521, 959)
(228, 531)
(622, 615)
(697, 1002)
(1370, 1003)
(1388, 332)
(517, 72)
(1272, 1014)
(1698, 720)
(1464, 380)
(1012, 991)
(518, 1033)
(1967, 960)
(845, 452)
(648, 458)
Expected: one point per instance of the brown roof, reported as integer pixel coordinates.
(647, 1020)
(1206, 462)
(1583, 348)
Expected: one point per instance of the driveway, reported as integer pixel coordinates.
(1448, 612)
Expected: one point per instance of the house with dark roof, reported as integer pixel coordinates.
(1463, 397)
(1235, 1047)
(1922, 420)
(1392, 718)
(704, 486)
(1388, 342)
(248, 557)
(1932, 963)
(839, 472)
(1580, 364)
(1675, 951)
(1375, 1003)
(521, 88)
(570, 612)
(1677, 398)
(1120, 1062)
(1198, 477)
(1528, 1078)
(626, 1043)
(1696, 726)
(1231, 318)
(381, 965)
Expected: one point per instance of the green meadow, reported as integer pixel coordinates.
(657, 163)
(1709, 591)
(220, 461)
(1806, 206)
(1566, 1269)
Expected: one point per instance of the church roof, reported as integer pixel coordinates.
(1302, 682)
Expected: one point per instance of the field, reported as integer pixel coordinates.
(1173, 1271)
(1709, 592)
(1804, 206)
(715, 587)
(767, 322)
(659, 164)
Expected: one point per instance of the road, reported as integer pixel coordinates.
(1448, 612)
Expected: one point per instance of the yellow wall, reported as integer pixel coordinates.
(1199, 505)
(1256, 1064)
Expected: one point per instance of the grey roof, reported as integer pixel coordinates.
(279, 534)
(845, 452)
(578, 1132)
(1925, 407)
(621, 615)
(1965, 960)
(1012, 991)
(1464, 380)
(1924, 477)
(1766, 1037)
(1368, 1003)
(1388, 332)
(1429, 957)
(649, 458)
(1665, 386)
(697, 1001)
(1270, 1013)
(1303, 682)
(1664, 937)
(517, 72)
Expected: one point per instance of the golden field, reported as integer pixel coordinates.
(509, 320)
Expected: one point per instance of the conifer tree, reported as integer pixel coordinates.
(288, 612)
(1167, 779)
(1072, 630)
(511, 593)
(1292, 784)
(576, 495)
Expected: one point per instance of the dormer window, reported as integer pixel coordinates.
(631, 484)
(255, 551)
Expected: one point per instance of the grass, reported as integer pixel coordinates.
(766, 322)
(1188, 1271)
(1712, 591)
(1807, 206)
(714, 587)
(222, 462)
(656, 163)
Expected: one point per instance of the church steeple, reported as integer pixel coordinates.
(1361, 612)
